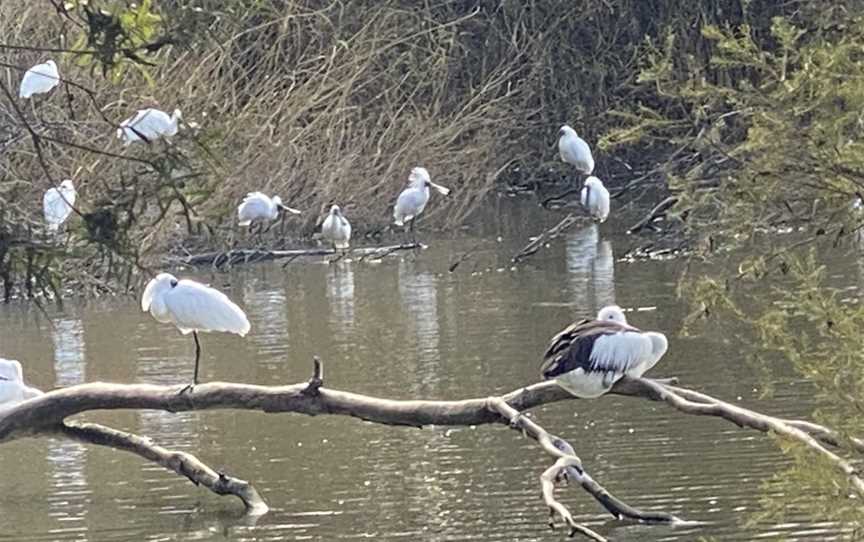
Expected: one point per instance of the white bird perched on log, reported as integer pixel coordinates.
(148, 125)
(588, 357)
(39, 79)
(257, 206)
(595, 199)
(12, 387)
(337, 229)
(57, 204)
(413, 199)
(574, 150)
(192, 307)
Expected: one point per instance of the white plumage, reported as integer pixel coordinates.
(595, 199)
(149, 125)
(257, 206)
(12, 387)
(574, 150)
(588, 357)
(336, 228)
(39, 79)
(57, 204)
(413, 199)
(192, 307)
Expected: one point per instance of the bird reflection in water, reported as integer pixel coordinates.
(69, 494)
(591, 268)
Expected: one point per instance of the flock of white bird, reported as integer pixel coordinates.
(586, 358)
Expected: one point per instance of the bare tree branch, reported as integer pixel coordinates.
(182, 463)
(46, 415)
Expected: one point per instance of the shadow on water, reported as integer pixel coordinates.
(401, 328)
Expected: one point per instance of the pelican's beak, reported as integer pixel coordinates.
(289, 209)
(443, 190)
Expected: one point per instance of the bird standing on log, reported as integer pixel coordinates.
(595, 199)
(588, 357)
(336, 229)
(192, 307)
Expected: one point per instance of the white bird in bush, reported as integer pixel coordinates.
(39, 79)
(57, 204)
(336, 229)
(192, 307)
(12, 387)
(588, 357)
(148, 125)
(595, 199)
(259, 207)
(574, 150)
(413, 199)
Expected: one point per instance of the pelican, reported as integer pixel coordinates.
(413, 199)
(192, 307)
(57, 204)
(574, 150)
(259, 207)
(336, 229)
(148, 125)
(39, 79)
(595, 199)
(588, 357)
(12, 387)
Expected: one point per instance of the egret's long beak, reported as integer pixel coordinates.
(443, 190)
(289, 209)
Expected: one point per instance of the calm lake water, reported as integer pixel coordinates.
(401, 328)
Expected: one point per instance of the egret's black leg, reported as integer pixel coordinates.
(197, 356)
(197, 359)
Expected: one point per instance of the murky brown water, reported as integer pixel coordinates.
(401, 328)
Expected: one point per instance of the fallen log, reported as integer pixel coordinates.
(254, 255)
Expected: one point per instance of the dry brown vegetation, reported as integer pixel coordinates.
(317, 102)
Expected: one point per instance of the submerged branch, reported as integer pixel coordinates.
(182, 463)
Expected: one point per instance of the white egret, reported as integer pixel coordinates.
(39, 79)
(57, 204)
(148, 125)
(413, 199)
(337, 229)
(192, 307)
(574, 150)
(12, 386)
(595, 199)
(588, 357)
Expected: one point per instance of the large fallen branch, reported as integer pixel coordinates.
(252, 255)
(46, 415)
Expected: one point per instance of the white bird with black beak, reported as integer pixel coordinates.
(148, 125)
(336, 229)
(39, 79)
(588, 357)
(574, 150)
(57, 204)
(595, 199)
(192, 307)
(414, 198)
(12, 387)
(259, 207)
